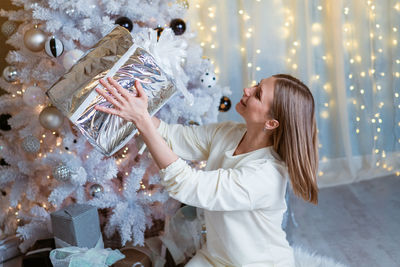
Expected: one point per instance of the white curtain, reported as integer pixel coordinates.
(346, 51)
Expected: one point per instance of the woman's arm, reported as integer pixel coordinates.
(156, 121)
(258, 185)
(134, 108)
(188, 142)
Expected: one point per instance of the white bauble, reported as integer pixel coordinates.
(34, 96)
(71, 57)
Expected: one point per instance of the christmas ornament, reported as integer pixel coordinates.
(30, 144)
(208, 79)
(225, 104)
(71, 57)
(125, 22)
(189, 212)
(193, 123)
(54, 47)
(159, 30)
(34, 96)
(62, 172)
(34, 39)
(10, 74)
(51, 118)
(8, 28)
(178, 26)
(4, 126)
(3, 163)
(96, 190)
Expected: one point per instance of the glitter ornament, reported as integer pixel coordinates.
(96, 190)
(30, 144)
(125, 22)
(62, 173)
(8, 28)
(225, 104)
(208, 79)
(51, 118)
(54, 47)
(34, 39)
(178, 26)
(34, 96)
(10, 74)
(71, 57)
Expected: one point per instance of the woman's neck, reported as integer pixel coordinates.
(253, 140)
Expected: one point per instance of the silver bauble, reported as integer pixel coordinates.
(10, 74)
(51, 118)
(62, 173)
(96, 190)
(34, 96)
(34, 39)
(30, 144)
(8, 28)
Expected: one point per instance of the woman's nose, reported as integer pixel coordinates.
(246, 91)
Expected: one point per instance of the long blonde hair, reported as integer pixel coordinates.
(296, 139)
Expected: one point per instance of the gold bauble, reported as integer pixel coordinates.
(51, 118)
(34, 39)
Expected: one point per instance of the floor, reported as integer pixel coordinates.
(356, 224)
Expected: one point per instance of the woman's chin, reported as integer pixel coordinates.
(238, 108)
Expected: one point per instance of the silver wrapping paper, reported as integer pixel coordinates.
(9, 248)
(114, 56)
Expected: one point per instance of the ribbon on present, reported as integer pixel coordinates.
(84, 257)
(71, 256)
(62, 244)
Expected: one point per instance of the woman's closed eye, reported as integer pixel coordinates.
(258, 92)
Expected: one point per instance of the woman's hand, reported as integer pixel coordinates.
(126, 105)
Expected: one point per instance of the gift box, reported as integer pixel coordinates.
(77, 225)
(115, 56)
(134, 256)
(9, 248)
(38, 255)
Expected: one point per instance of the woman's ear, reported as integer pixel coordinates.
(271, 124)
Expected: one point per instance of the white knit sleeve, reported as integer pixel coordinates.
(249, 187)
(189, 142)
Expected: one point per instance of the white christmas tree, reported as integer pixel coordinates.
(46, 164)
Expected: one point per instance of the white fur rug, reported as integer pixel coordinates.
(305, 258)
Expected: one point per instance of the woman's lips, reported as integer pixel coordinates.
(241, 101)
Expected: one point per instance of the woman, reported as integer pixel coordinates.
(242, 189)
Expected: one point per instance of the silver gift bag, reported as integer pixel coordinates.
(113, 56)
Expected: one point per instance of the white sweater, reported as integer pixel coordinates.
(243, 196)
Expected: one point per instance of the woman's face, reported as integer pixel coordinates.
(257, 101)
